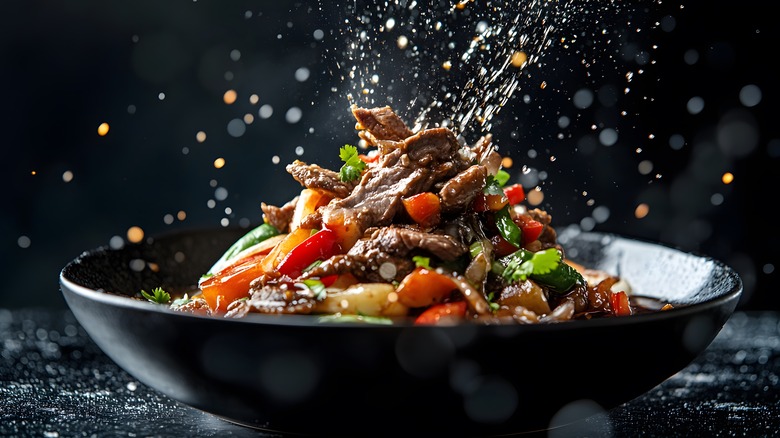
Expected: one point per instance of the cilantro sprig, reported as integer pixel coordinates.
(520, 267)
(158, 295)
(545, 267)
(353, 165)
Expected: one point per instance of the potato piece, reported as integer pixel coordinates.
(370, 299)
(527, 294)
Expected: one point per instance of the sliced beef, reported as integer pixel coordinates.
(313, 176)
(423, 160)
(486, 155)
(275, 298)
(401, 241)
(383, 254)
(279, 217)
(381, 123)
(459, 192)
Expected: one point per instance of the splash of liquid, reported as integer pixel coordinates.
(456, 65)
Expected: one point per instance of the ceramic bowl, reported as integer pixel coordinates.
(294, 374)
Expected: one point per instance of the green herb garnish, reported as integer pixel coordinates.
(178, 302)
(492, 186)
(158, 296)
(353, 165)
(422, 262)
(317, 287)
(501, 178)
(521, 265)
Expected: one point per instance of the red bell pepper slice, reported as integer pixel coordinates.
(530, 227)
(515, 194)
(424, 208)
(620, 304)
(319, 246)
(433, 314)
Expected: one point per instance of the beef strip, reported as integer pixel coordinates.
(422, 160)
(313, 176)
(459, 192)
(391, 245)
(274, 298)
(279, 217)
(381, 123)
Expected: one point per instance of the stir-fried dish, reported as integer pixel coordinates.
(414, 224)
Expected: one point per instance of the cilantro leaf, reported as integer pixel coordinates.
(158, 296)
(492, 186)
(523, 264)
(353, 165)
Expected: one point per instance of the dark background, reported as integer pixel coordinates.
(157, 72)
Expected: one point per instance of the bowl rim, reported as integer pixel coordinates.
(117, 300)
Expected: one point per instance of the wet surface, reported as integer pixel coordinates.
(54, 381)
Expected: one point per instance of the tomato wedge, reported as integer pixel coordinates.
(434, 314)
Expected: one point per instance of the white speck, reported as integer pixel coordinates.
(23, 242)
(695, 105)
(608, 137)
(132, 386)
(265, 111)
(750, 95)
(161, 96)
(318, 34)
(302, 74)
(137, 265)
(235, 55)
(387, 270)
(583, 98)
(299, 150)
(220, 193)
(116, 242)
(293, 115)
(236, 128)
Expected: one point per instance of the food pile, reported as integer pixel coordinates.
(414, 225)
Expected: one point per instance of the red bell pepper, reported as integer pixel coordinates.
(485, 202)
(433, 314)
(530, 227)
(515, 194)
(620, 304)
(319, 246)
(424, 208)
(423, 287)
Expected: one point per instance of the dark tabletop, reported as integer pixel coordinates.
(55, 382)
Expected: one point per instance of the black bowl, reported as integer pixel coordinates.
(296, 375)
